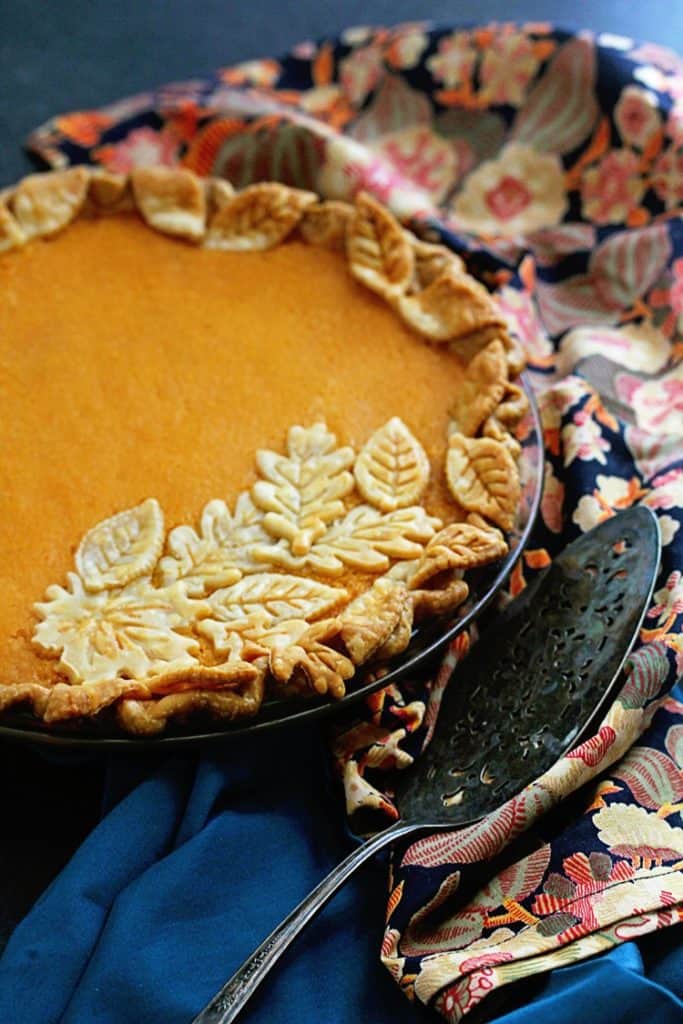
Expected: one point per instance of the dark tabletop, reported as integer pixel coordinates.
(58, 55)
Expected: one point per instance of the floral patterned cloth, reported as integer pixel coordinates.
(554, 163)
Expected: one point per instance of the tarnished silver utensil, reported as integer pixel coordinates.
(532, 688)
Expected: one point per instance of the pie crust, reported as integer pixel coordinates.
(327, 558)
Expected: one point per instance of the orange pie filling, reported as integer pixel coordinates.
(224, 470)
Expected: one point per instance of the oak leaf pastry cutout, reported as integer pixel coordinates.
(126, 632)
(311, 663)
(332, 555)
(302, 493)
(217, 554)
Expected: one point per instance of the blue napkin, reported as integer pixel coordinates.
(196, 864)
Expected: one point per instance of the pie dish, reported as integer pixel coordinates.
(253, 438)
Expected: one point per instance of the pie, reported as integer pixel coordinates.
(249, 439)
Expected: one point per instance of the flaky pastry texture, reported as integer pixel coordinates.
(208, 617)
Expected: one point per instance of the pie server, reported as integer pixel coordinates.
(533, 687)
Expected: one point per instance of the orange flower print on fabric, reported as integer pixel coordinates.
(667, 177)
(84, 127)
(508, 65)
(613, 188)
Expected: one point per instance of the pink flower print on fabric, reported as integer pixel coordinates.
(517, 193)
(667, 177)
(508, 66)
(360, 72)
(421, 156)
(612, 188)
(454, 61)
(144, 147)
(636, 116)
(668, 600)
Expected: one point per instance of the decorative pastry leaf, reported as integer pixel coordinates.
(109, 192)
(122, 548)
(399, 638)
(301, 493)
(513, 406)
(130, 633)
(65, 701)
(439, 601)
(227, 676)
(252, 636)
(481, 390)
(515, 355)
(482, 477)
(380, 255)
(458, 547)
(266, 610)
(310, 664)
(392, 469)
(452, 306)
(259, 217)
(276, 596)
(365, 539)
(149, 717)
(43, 204)
(371, 618)
(492, 428)
(431, 261)
(217, 555)
(326, 223)
(220, 193)
(11, 235)
(171, 200)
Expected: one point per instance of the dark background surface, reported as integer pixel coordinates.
(59, 55)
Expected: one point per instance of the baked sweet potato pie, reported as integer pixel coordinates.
(248, 440)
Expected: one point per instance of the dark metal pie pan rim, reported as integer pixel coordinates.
(426, 644)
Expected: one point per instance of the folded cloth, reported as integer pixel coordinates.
(554, 163)
(186, 875)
